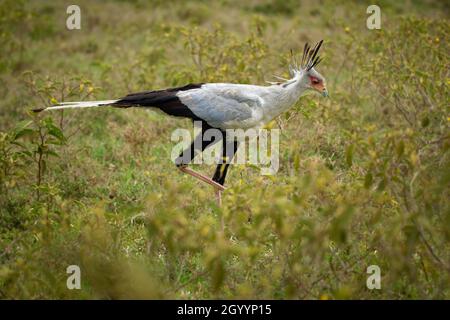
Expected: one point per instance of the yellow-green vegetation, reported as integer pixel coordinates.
(364, 176)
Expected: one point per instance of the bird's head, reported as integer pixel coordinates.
(315, 81)
(310, 79)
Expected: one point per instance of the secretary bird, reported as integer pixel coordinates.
(223, 106)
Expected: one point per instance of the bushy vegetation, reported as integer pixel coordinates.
(364, 176)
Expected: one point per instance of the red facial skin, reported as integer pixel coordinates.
(317, 84)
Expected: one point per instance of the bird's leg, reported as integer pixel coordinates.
(228, 152)
(219, 178)
(201, 177)
(188, 155)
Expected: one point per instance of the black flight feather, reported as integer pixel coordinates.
(166, 100)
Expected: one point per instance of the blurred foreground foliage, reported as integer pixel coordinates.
(364, 177)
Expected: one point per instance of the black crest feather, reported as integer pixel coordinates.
(310, 58)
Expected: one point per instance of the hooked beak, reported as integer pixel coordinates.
(321, 88)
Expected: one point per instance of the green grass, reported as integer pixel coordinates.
(364, 176)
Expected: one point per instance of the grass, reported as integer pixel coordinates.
(364, 176)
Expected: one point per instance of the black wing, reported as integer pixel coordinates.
(166, 100)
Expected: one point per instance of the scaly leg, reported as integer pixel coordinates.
(202, 177)
(228, 152)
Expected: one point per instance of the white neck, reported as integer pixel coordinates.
(296, 86)
(286, 95)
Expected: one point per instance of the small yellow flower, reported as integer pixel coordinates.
(347, 29)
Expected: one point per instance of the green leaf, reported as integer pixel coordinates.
(368, 179)
(22, 129)
(52, 153)
(23, 132)
(297, 162)
(400, 148)
(19, 144)
(425, 122)
(56, 132)
(349, 154)
(26, 153)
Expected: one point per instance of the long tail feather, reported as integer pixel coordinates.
(77, 104)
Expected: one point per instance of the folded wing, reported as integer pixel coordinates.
(220, 105)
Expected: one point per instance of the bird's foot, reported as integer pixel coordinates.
(202, 177)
